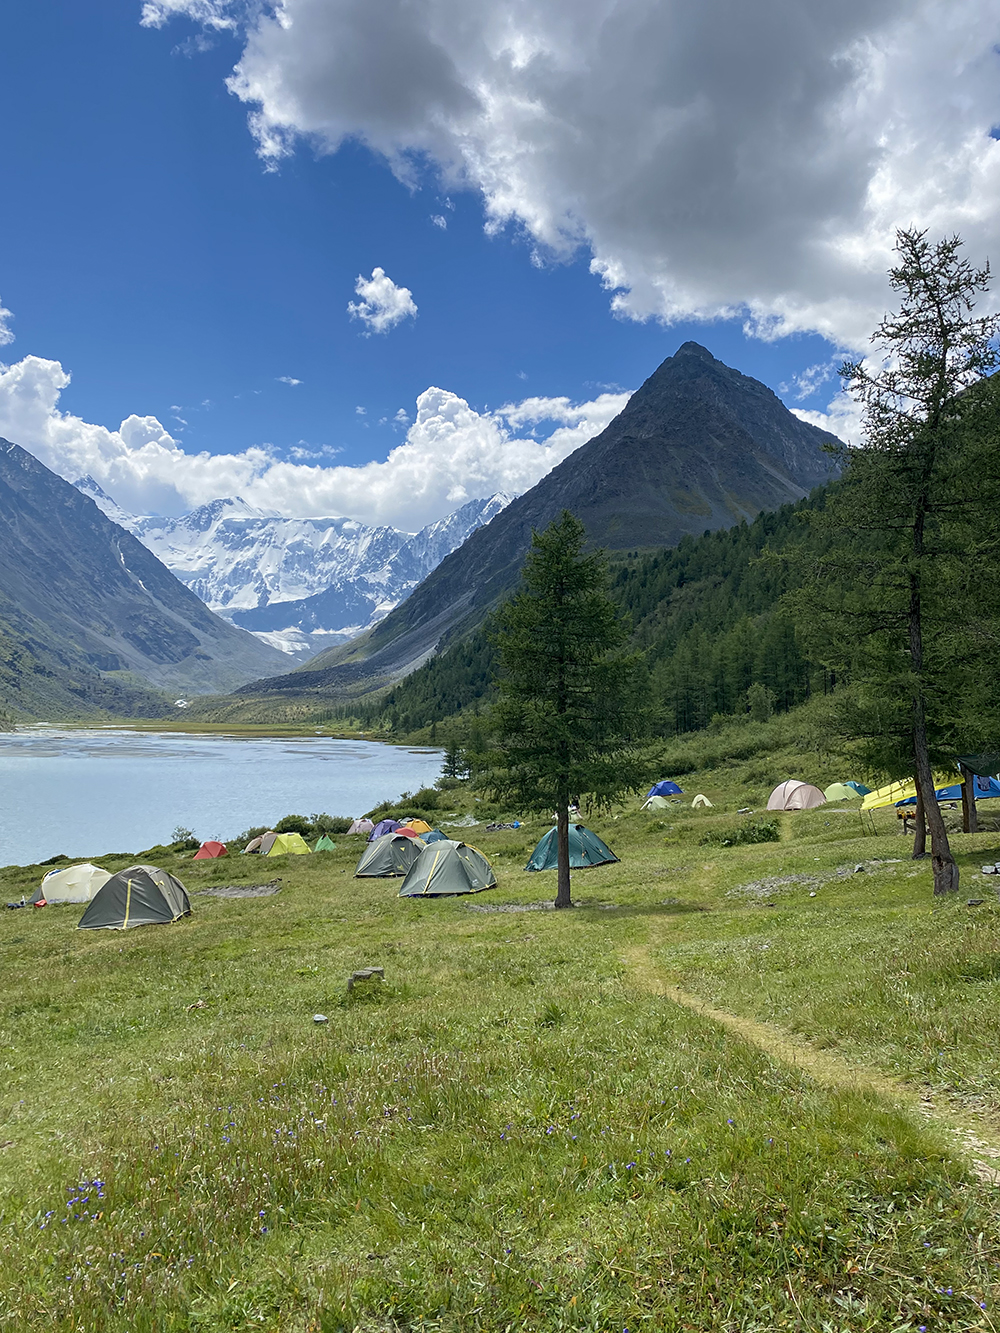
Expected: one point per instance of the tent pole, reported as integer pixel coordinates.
(970, 816)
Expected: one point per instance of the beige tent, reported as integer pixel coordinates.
(701, 802)
(795, 795)
(656, 803)
(75, 884)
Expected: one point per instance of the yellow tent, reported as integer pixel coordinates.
(900, 791)
(418, 826)
(286, 843)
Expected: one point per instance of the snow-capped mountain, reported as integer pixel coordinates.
(301, 584)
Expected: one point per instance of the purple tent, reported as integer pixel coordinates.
(383, 826)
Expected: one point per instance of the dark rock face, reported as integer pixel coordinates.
(698, 446)
(80, 596)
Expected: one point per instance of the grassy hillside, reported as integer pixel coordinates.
(535, 1122)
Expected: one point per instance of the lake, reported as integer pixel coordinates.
(85, 793)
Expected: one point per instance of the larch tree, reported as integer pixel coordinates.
(917, 498)
(570, 718)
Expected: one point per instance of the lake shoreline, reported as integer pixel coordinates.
(69, 789)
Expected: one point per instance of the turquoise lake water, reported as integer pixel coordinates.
(85, 793)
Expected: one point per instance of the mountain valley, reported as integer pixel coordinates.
(90, 620)
(299, 584)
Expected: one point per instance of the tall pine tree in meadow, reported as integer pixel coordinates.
(571, 715)
(904, 595)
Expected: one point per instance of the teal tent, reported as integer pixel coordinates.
(435, 835)
(446, 868)
(585, 849)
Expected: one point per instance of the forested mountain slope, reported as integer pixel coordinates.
(706, 614)
(699, 446)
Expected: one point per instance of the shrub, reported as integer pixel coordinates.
(294, 824)
(749, 831)
(329, 824)
(425, 799)
(248, 835)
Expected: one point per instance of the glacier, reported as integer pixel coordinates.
(300, 584)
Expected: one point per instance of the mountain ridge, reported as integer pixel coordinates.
(698, 446)
(90, 614)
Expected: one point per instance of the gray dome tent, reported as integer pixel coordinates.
(446, 868)
(391, 854)
(138, 896)
(585, 849)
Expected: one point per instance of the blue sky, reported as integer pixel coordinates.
(147, 249)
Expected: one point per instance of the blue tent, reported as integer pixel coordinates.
(983, 789)
(435, 835)
(859, 787)
(664, 788)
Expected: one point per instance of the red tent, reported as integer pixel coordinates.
(208, 850)
(407, 832)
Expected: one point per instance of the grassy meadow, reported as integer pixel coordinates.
(530, 1124)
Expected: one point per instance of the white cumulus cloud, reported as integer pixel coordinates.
(288, 379)
(6, 333)
(451, 453)
(383, 305)
(714, 159)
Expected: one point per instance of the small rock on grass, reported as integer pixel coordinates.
(320, 1018)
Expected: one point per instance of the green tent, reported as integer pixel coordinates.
(446, 868)
(392, 854)
(325, 844)
(139, 896)
(585, 849)
(285, 844)
(841, 792)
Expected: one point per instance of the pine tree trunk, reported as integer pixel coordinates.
(920, 829)
(562, 846)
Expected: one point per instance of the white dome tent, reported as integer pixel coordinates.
(795, 795)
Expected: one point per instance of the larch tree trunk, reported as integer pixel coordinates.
(942, 862)
(920, 829)
(970, 816)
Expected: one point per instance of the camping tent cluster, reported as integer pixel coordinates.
(435, 867)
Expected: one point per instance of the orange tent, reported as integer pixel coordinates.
(208, 850)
